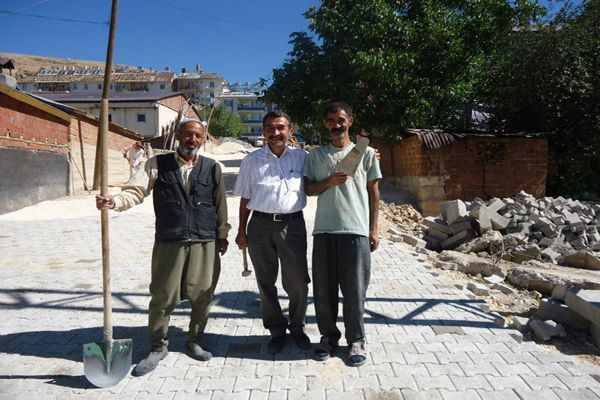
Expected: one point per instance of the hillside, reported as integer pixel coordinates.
(27, 65)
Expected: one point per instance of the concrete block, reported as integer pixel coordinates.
(498, 221)
(437, 224)
(522, 227)
(546, 330)
(437, 234)
(495, 205)
(586, 303)
(561, 313)
(493, 279)
(448, 266)
(396, 238)
(456, 211)
(456, 240)
(522, 324)
(478, 289)
(413, 241)
(485, 307)
(550, 255)
(460, 226)
(504, 288)
(423, 250)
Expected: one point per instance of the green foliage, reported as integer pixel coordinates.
(548, 80)
(224, 123)
(399, 63)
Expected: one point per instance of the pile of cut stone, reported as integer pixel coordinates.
(557, 230)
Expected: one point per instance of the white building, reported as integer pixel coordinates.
(200, 86)
(145, 113)
(249, 107)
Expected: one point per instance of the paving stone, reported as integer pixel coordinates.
(546, 330)
(561, 313)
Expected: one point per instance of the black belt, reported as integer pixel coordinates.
(277, 217)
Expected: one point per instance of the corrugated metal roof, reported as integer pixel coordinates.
(437, 138)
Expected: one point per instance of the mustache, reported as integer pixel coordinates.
(337, 130)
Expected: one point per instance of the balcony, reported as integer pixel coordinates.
(255, 107)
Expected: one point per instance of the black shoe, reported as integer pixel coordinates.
(276, 344)
(198, 352)
(149, 363)
(324, 350)
(302, 341)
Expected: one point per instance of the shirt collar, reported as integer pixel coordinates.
(181, 161)
(270, 154)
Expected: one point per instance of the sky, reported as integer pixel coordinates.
(241, 40)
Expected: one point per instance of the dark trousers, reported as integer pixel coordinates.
(269, 244)
(181, 271)
(341, 261)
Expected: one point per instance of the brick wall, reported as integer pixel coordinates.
(472, 167)
(27, 127)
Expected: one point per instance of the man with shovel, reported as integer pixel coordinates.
(191, 231)
(271, 187)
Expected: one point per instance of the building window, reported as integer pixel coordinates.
(85, 86)
(212, 94)
(74, 86)
(141, 118)
(212, 84)
(99, 86)
(162, 86)
(109, 117)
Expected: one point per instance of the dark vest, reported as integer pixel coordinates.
(181, 216)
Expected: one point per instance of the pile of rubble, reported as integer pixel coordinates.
(557, 230)
(402, 215)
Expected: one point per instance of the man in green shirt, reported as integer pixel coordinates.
(345, 231)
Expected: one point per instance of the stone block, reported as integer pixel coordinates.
(546, 330)
(504, 288)
(478, 289)
(522, 227)
(456, 211)
(561, 313)
(413, 241)
(550, 255)
(493, 279)
(522, 324)
(437, 234)
(448, 266)
(498, 221)
(586, 303)
(396, 238)
(460, 226)
(495, 205)
(437, 224)
(582, 259)
(456, 240)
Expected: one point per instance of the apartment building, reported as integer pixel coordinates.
(200, 86)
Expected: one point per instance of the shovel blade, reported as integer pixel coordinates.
(105, 370)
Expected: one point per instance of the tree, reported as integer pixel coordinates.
(224, 123)
(547, 79)
(399, 63)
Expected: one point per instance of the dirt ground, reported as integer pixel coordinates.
(404, 218)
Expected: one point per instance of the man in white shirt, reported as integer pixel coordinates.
(270, 184)
(136, 156)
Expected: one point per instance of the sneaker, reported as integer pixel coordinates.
(324, 350)
(302, 341)
(198, 352)
(357, 354)
(276, 344)
(149, 363)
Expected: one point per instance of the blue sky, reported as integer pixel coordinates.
(240, 40)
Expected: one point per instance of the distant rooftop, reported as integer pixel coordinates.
(130, 96)
(96, 75)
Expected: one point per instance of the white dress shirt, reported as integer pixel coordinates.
(273, 184)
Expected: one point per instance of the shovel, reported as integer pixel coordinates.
(246, 271)
(107, 362)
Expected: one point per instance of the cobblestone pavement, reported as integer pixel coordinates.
(427, 338)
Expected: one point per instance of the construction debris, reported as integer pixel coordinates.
(556, 230)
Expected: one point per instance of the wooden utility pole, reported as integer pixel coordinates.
(101, 142)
